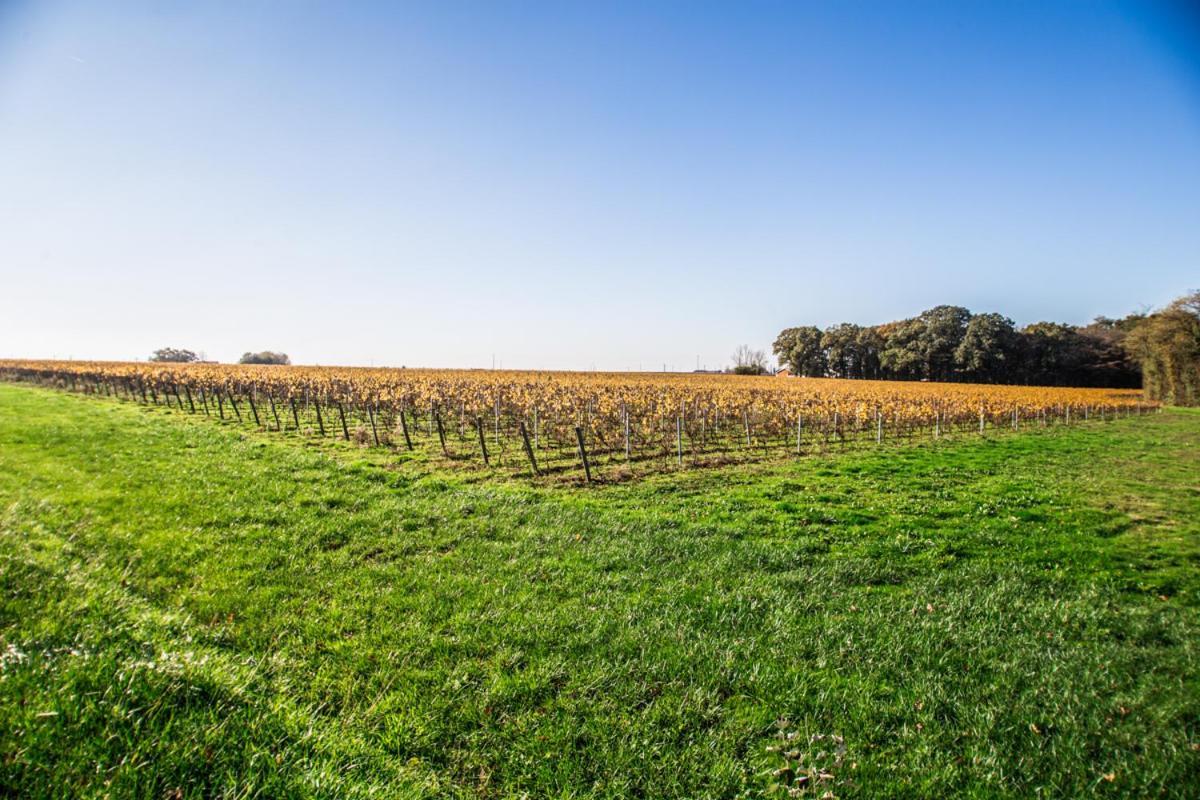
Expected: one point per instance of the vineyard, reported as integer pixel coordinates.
(591, 424)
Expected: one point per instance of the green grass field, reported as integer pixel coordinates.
(194, 610)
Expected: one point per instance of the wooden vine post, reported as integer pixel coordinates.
(587, 468)
(482, 441)
(342, 414)
(254, 409)
(528, 448)
(374, 430)
(404, 428)
(625, 415)
(441, 432)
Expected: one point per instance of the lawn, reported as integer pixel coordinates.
(192, 609)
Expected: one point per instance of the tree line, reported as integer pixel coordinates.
(176, 355)
(950, 343)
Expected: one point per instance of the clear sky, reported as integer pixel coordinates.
(581, 185)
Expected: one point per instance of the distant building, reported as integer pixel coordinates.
(783, 373)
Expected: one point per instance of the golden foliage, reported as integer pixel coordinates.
(603, 401)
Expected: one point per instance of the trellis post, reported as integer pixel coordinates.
(482, 441)
(528, 449)
(587, 468)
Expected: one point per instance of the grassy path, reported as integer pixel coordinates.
(191, 611)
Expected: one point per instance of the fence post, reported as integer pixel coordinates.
(528, 449)
(295, 414)
(587, 468)
(274, 412)
(799, 431)
(320, 419)
(441, 432)
(374, 430)
(625, 415)
(679, 439)
(878, 426)
(482, 441)
(404, 428)
(254, 409)
(342, 415)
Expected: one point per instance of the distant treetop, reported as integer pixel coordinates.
(747, 361)
(265, 357)
(174, 355)
(949, 343)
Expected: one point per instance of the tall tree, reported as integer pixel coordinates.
(1053, 353)
(174, 355)
(843, 354)
(1167, 345)
(903, 352)
(988, 348)
(1106, 361)
(800, 350)
(265, 357)
(944, 328)
(748, 361)
(870, 345)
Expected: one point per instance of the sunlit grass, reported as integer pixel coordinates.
(192, 611)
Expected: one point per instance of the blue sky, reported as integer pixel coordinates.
(590, 185)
